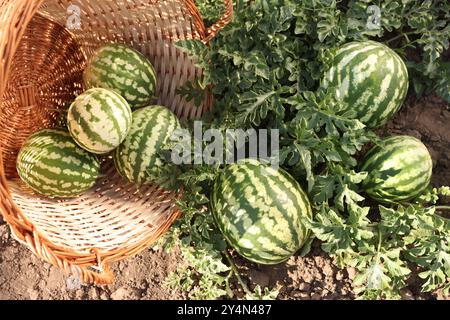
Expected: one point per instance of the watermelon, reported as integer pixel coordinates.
(52, 164)
(400, 168)
(261, 211)
(99, 120)
(371, 81)
(124, 70)
(137, 159)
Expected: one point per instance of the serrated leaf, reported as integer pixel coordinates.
(346, 196)
(324, 188)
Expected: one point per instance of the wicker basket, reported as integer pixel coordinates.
(41, 64)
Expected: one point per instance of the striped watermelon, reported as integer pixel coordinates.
(370, 79)
(99, 120)
(124, 70)
(138, 159)
(261, 211)
(399, 169)
(52, 164)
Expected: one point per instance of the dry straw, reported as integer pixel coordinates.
(41, 64)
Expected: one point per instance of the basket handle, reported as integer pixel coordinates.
(87, 275)
(212, 31)
(99, 274)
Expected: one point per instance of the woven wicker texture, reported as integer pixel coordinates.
(41, 65)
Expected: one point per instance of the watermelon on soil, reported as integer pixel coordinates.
(261, 211)
(52, 164)
(400, 169)
(125, 70)
(370, 79)
(99, 120)
(137, 159)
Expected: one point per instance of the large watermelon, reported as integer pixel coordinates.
(261, 211)
(52, 164)
(99, 120)
(370, 79)
(124, 70)
(137, 158)
(400, 168)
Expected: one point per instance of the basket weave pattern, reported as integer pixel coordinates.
(41, 65)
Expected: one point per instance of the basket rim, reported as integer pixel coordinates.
(22, 228)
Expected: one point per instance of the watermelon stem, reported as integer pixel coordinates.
(236, 272)
(401, 35)
(380, 241)
(442, 207)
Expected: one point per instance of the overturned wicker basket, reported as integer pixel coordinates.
(41, 64)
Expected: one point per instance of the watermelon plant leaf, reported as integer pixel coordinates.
(193, 91)
(260, 294)
(346, 196)
(305, 160)
(443, 82)
(324, 188)
(340, 234)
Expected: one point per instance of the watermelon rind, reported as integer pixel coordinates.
(52, 164)
(123, 69)
(138, 158)
(261, 211)
(370, 80)
(99, 120)
(399, 169)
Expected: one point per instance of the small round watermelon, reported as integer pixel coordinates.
(400, 169)
(370, 79)
(125, 70)
(137, 159)
(261, 211)
(99, 120)
(52, 164)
